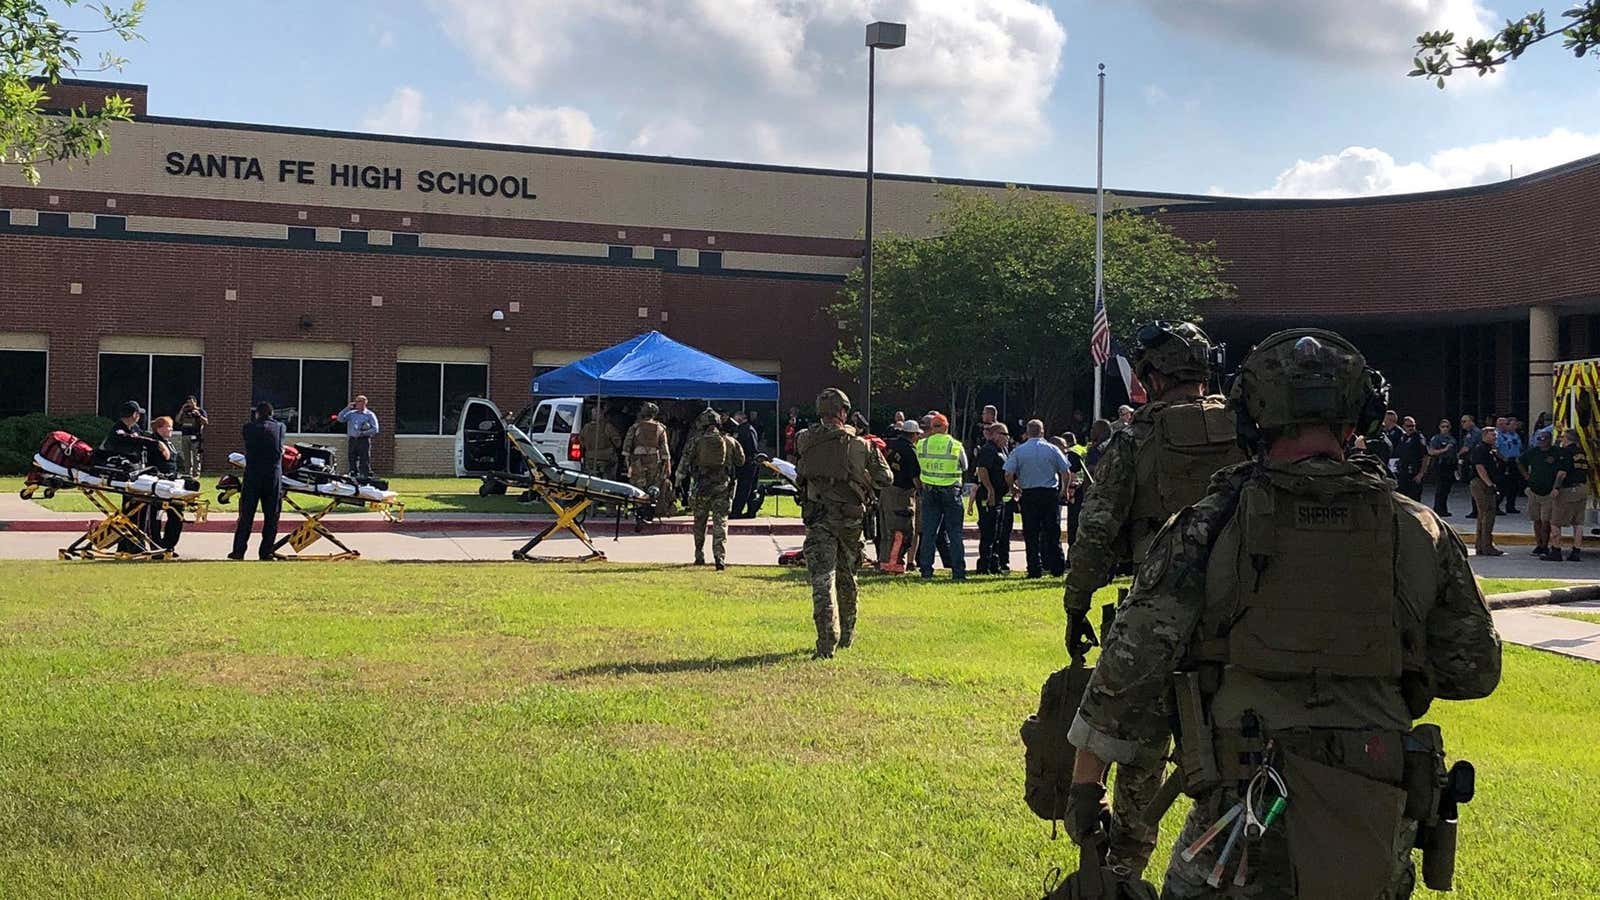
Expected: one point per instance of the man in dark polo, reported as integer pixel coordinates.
(262, 484)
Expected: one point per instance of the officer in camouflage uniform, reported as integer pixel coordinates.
(710, 459)
(649, 458)
(1313, 615)
(1160, 463)
(836, 473)
(600, 442)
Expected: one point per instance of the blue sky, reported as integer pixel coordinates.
(1284, 97)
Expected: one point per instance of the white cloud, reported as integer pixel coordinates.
(534, 126)
(780, 81)
(1361, 171)
(1368, 33)
(403, 113)
(406, 112)
(1155, 95)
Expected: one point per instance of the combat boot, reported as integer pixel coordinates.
(846, 638)
(821, 653)
(721, 565)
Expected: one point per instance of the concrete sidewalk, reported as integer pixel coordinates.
(1538, 627)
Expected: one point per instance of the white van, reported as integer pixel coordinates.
(482, 446)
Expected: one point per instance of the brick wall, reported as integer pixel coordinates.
(178, 289)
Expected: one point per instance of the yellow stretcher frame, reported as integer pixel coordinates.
(1577, 406)
(119, 522)
(312, 528)
(569, 507)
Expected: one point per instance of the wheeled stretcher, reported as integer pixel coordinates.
(308, 473)
(124, 491)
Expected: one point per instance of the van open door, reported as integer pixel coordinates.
(481, 445)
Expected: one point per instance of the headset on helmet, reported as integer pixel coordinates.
(1305, 376)
(1176, 349)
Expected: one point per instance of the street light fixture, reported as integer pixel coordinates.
(880, 36)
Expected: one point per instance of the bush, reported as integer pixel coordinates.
(20, 436)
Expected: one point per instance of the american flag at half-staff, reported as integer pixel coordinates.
(1100, 332)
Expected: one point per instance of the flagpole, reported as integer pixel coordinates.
(1099, 227)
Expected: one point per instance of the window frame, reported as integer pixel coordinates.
(149, 376)
(46, 354)
(300, 387)
(445, 430)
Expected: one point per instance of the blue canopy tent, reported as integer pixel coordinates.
(655, 366)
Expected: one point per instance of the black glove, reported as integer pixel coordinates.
(1087, 811)
(1080, 634)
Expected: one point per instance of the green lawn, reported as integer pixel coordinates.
(1512, 585)
(376, 729)
(1591, 618)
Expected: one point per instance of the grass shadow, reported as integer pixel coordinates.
(667, 667)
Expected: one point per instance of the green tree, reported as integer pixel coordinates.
(1440, 55)
(1005, 291)
(35, 52)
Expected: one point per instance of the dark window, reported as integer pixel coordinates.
(172, 378)
(416, 398)
(324, 390)
(461, 380)
(353, 238)
(52, 221)
(711, 262)
(22, 382)
(561, 421)
(666, 258)
(305, 394)
(277, 381)
(115, 224)
(158, 381)
(302, 237)
(406, 240)
(619, 253)
(429, 396)
(541, 419)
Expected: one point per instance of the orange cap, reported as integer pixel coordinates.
(939, 421)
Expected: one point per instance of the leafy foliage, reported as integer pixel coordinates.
(1439, 54)
(35, 52)
(20, 436)
(1005, 291)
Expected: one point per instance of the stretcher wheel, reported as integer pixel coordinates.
(518, 555)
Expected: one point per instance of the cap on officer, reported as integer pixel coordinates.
(1175, 349)
(830, 401)
(1307, 376)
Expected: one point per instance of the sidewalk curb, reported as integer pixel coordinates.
(1548, 596)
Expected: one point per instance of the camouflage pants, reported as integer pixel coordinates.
(1132, 841)
(833, 553)
(644, 473)
(1270, 876)
(711, 500)
(600, 468)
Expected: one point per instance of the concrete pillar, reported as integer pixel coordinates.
(1543, 333)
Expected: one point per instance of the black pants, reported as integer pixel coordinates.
(265, 493)
(1041, 531)
(1074, 509)
(744, 489)
(361, 456)
(171, 528)
(1441, 492)
(1408, 485)
(1510, 484)
(143, 515)
(994, 538)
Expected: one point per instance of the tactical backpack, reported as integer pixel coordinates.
(711, 452)
(1188, 443)
(1047, 754)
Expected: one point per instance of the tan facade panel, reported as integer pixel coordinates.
(302, 349)
(558, 357)
(420, 353)
(783, 262)
(513, 245)
(20, 340)
(219, 162)
(135, 343)
(176, 225)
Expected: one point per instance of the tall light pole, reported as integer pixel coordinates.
(880, 36)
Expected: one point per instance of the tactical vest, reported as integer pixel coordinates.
(711, 453)
(596, 444)
(939, 455)
(824, 464)
(1188, 443)
(647, 437)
